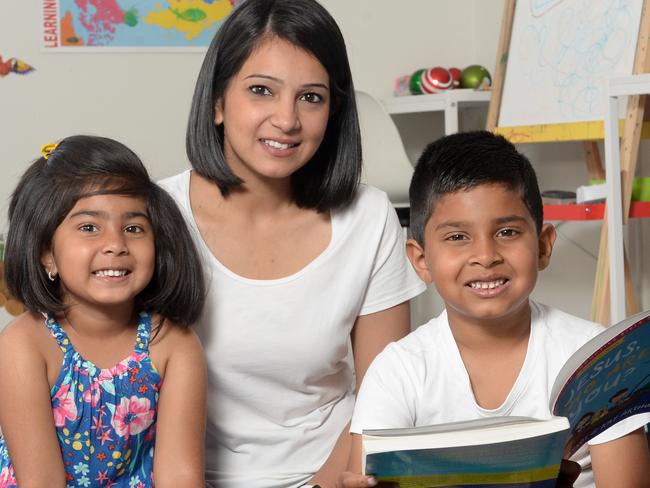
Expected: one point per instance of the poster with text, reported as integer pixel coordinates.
(125, 25)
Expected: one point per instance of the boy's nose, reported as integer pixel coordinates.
(485, 252)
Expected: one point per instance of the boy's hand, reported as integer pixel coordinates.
(569, 472)
(354, 480)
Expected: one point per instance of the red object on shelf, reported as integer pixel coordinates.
(590, 211)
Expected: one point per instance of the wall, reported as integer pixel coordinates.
(143, 100)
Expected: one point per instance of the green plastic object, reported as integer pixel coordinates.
(415, 84)
(640, 188)
(475, 77)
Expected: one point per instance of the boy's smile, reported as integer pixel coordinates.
(482, 252)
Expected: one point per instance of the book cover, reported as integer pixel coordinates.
(611, 384)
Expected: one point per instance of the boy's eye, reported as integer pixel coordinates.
(455, 237)
(508, 233)
(88, 228)
(312, 97)
(260, 90)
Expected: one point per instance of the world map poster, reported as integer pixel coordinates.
(124, 25)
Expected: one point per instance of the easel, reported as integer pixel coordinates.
(587, 132)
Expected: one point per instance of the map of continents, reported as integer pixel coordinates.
(145, 23)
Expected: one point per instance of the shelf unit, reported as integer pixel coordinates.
(590, 211)
(449, 102)
(617, 87)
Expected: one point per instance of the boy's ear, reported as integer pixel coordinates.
(218, 112)
(415, 253)
(546, 240)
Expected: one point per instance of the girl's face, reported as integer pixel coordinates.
(103, 251)
(274, 112)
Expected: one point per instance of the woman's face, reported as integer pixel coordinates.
(274, 112)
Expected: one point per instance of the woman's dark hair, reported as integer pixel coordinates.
(330, 179)
(463, 161)
(82, 166)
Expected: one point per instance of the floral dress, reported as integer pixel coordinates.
(105, 418)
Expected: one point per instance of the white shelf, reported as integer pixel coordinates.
(448, 102)
(617, 87)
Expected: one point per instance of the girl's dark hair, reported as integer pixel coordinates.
(330, 179)
(463, 161)
(87, 165)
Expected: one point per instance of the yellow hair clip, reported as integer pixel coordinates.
(47, 149)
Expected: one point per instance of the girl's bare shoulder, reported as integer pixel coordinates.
(169, 341)
(27, 334)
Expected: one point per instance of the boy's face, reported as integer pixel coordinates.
(482, 252)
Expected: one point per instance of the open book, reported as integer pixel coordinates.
(602, 383)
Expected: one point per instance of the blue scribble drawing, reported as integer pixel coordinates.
(541, 7)
(563, 51)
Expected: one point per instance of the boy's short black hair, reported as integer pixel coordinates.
(463, 161)
(82, 166)
(331, 178)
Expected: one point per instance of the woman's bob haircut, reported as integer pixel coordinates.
(82, 166)
(330, 179)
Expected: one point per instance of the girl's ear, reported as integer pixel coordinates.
(48, 263)
(415, 254)
(546, 240)
(218, 112)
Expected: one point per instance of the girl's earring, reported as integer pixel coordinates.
(49, 275)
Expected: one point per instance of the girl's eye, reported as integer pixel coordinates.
(508, 233)
(88, 228)
(134, 229)
(260, 90)
(312, 97)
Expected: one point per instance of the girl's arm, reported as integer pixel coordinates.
(180, 429)
(622, 462)
(26, 409)
(371, 333)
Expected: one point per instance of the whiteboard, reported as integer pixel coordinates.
(561, 54)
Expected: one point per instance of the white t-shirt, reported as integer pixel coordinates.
(281, 381)
(421, 380)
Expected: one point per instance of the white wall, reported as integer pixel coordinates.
(143, 100)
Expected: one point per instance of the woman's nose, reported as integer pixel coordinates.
(285, 115)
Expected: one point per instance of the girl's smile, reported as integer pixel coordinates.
(103, 251)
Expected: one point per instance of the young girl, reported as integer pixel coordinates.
(102, 370)
(308, 274)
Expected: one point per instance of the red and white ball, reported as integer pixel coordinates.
(436, 79)
(455, 76)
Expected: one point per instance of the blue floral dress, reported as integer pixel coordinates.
(105, 418)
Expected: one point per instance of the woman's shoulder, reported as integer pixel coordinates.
(369, 204)
(176, 184)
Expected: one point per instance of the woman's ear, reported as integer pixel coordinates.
(415, 253)
(218, 112)
(546, 240)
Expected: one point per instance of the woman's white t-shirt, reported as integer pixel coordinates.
(281, 380)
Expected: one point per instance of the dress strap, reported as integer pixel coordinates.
(57, 331)
(144, 332)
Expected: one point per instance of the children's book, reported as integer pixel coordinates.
(602, 383)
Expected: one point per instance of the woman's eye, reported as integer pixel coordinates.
(260, 90)
(88, 228)
(312, 98)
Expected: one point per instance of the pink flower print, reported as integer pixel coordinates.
(63, 406)
(92, 394)
(132, 416)
(118, 370)
(8, 477)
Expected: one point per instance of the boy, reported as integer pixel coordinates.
(479, 237)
